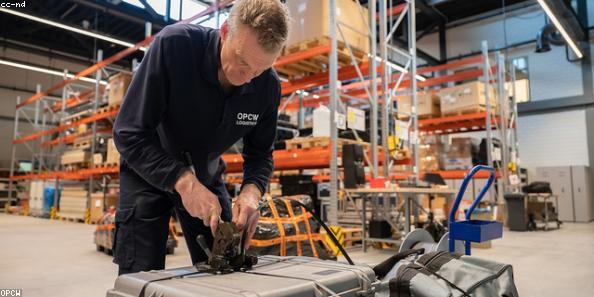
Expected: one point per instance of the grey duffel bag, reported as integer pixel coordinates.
(443, 274)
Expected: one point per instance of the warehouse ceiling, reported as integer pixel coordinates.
(125, 21)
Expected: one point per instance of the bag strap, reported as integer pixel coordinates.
(384, 267)
(423, 267)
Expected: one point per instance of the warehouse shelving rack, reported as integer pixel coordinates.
(364, 91)
(49, 113)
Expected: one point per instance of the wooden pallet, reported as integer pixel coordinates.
(107, 164)
(76, 166)
(108, 108)
(318, 63)
(421, 117)
(70, 218)
(83, 144)
(352, 235)
(475, 109)
(322, 141)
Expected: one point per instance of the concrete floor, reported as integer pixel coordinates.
(55, 258)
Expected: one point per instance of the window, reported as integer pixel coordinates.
(522, 83)
(187, 8)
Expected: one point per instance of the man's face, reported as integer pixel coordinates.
(242, 58)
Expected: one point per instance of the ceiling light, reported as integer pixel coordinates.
(564, 33)
(47, 71)
(70, 28)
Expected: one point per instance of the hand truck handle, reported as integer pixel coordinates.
(467, 179)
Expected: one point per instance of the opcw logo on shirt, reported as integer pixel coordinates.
(247, 119)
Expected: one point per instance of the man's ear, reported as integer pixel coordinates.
(224, 30)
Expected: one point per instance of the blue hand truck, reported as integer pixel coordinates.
(472, 230)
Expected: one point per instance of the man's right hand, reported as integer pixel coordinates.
(198, 200)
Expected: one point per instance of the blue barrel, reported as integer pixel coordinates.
(48, 198)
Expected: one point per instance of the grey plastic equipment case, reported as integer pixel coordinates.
(273, 276)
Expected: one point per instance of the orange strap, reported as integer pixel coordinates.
(309, 234)
(295, 225)
(277, 240)
(281, 228)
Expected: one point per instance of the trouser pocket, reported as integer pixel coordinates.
(123, 243)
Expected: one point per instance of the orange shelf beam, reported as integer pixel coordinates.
(458, 123)
(96, 117)
(69, 175)
(396, 10)
(309, 158)
(70, 138)
(445, 174)
(74, 100)
(301, 55)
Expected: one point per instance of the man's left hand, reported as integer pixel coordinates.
(245, 211)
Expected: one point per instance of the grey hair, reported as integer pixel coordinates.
(269, 19)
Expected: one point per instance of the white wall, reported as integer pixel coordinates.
(551, 75)
(552, 139)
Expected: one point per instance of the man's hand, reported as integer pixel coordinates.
(198, 200)
(245, 211)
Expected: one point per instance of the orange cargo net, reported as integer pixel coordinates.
(283, 239)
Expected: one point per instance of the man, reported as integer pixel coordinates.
(197, 91)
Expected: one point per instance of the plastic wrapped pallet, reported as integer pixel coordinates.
(287, 229)
(73, 203)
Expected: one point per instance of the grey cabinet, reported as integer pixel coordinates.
(572, 187)
(582, 194)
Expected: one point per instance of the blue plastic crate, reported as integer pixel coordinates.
(476, 230)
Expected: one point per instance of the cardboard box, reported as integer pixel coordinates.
(466, 97)
(118, 85)
(430, 150)
(457, 163)
(75, 157)
(113, 156)
(458, 155)
(99, 205)
(310, 22)
(427, 106)
(97, 159)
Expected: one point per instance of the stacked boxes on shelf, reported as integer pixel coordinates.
(458, 155)
(430, 150)
(427, 106)
(113, 156)
(100, 203)
(465, 98)
(76, 157)
(310, 22)
(118, 85)
(73, 203)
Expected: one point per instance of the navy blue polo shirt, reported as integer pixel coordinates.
(175, 103)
